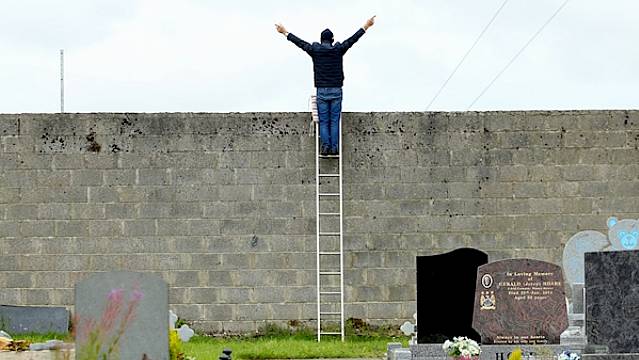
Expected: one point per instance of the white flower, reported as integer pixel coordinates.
(447, 345)
(462, 346)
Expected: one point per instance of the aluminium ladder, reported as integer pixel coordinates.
(329, 237)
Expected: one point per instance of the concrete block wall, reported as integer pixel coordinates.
(222, 205)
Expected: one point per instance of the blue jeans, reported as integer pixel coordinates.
(329, 109)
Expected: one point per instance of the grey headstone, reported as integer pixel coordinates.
(577, 298)
(531, 352)
(147, 332)
(390, 347)
(574, 335)
(612, 300)
(33, 319)
(493, 352)
(611, 357)
(573, 256)
(401, 354)
(428, 352)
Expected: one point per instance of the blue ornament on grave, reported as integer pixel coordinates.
(628, 239)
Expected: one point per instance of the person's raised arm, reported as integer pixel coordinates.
(353, 39)
(294, 39)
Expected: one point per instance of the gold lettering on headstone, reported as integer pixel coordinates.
(529, 285)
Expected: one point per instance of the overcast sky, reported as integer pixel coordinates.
(219, 56)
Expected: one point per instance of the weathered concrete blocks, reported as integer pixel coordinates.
(222, 206)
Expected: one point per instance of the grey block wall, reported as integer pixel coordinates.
(222, 205)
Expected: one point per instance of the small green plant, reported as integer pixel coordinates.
(175, 346)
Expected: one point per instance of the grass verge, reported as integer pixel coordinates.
(36, 338)
(293, 347)
(275, 342)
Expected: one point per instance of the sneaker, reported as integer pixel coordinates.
(334, 152)
(324, 151)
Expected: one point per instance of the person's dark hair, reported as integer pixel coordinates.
(327, 36)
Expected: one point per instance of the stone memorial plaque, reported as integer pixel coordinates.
(445, 294)
(612, 300)
(520, 301)
(135, 302)
(33, 319)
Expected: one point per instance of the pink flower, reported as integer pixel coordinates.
(137, 295)
(115, 295)
(112, 310)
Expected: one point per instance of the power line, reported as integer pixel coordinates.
(517, 54)
(466, 55)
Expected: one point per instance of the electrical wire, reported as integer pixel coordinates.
(466, 55)
(512, 60)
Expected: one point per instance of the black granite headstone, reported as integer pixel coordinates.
(446, 294)
(612, 300)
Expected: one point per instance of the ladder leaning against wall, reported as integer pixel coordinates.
(329, 236)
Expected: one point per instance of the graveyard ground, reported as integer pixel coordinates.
(302, 345)
(290, 347)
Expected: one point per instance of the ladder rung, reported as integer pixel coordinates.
(330, 273)
(330, 333)
(330, 313)
(328, 194)
(329, 233)
(329, 156)
(330, 253)
(330, 293)
(328, 175)
(329, 214)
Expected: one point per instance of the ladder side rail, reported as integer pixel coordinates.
(341, 231)
(317, 210)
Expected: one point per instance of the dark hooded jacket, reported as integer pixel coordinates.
(327, 58)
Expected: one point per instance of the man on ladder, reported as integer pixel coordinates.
(329, 78)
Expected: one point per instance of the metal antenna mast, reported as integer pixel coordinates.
(61, 80)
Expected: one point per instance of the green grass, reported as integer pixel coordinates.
(276, 342)
(35, 338)
(291, 347)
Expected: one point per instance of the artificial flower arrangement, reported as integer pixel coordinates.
(567, 355)
(462, 348)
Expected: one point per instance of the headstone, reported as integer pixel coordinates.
(573, 267)
(401, 354)
(34, 319)
(612, 300)
(520, 301)
(529, 352)
(390, 347)
(445, 293)
(107, 300)
(578, 298)
(574, 250)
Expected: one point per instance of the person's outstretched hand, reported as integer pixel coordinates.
(281, 29)
(370, 22)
